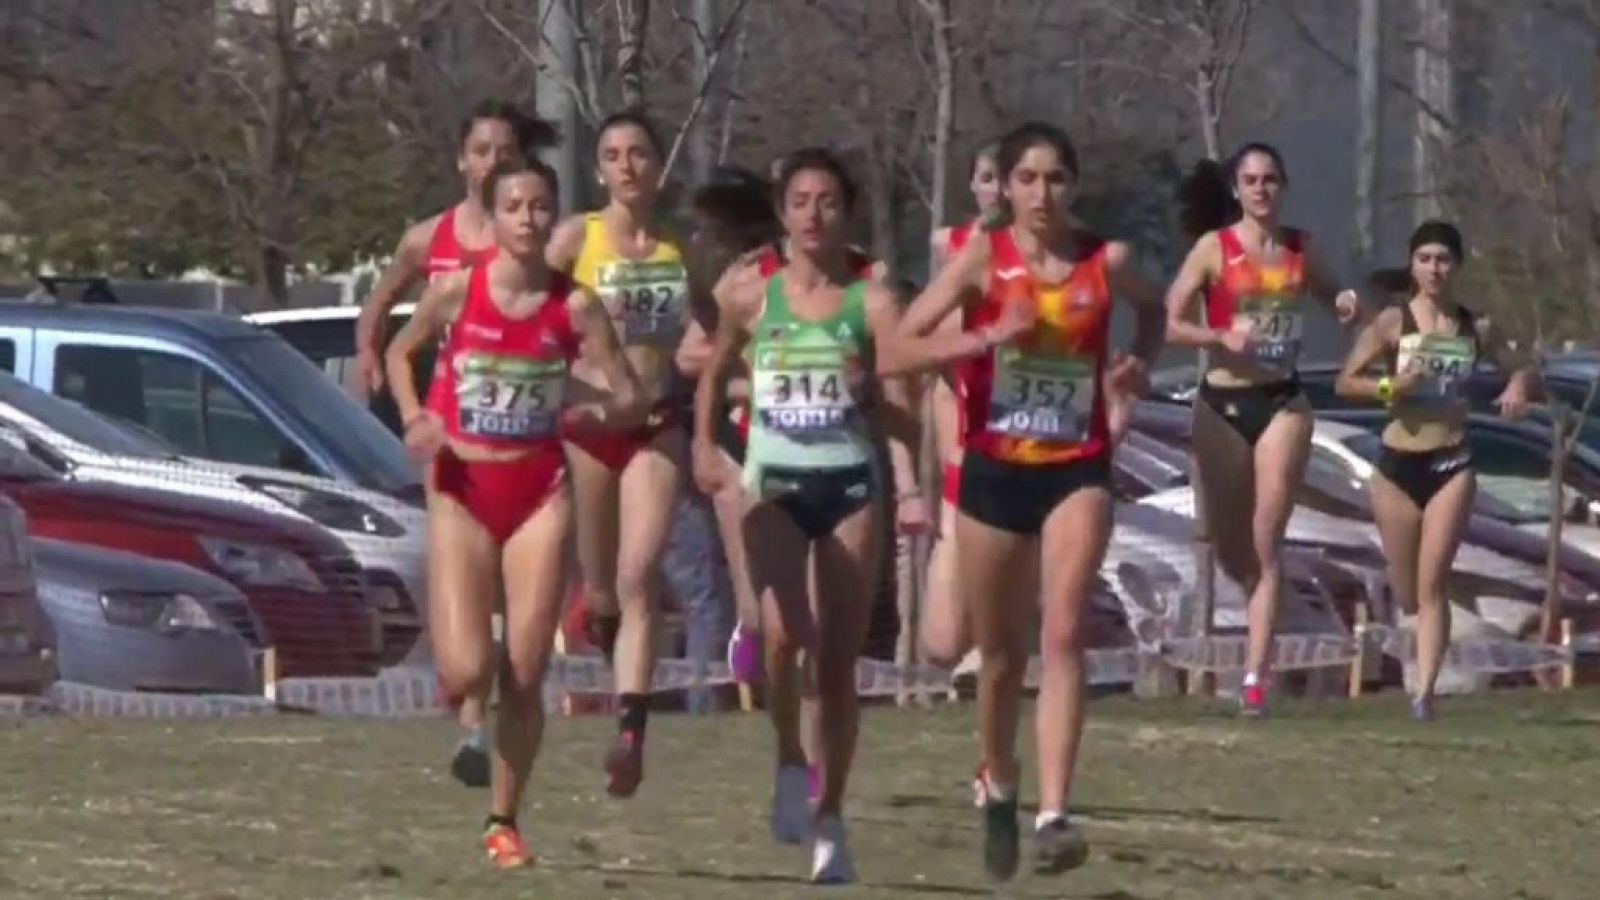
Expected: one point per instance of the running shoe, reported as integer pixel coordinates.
(625, 765)
(1058, 847)
(1253, 701)
(1001, 838)
(744, 655)
(470, 765)
(791, 809)
(505, 848)
(830, 853)
(1422, 709)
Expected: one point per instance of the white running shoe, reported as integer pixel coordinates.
(830, 854)
(791, 806)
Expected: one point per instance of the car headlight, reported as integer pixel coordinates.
(169, 614)
(261, 566)
(339, 512)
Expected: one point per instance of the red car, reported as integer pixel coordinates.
(306, 592)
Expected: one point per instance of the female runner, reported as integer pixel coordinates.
(498, 509)
(1423, 489)
(807, 334)
(946, 632)
(624, 255)
(733, 215)
(1043, 408)
(1252, 425)
(491, 133)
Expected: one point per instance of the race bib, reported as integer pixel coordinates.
(1041, 398)
(803, 391)
(1443, 361)
(646, 299)
(1276, 328)
(510, 397)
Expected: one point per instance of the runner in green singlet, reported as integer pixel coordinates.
(812, 475)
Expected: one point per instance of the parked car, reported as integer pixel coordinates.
(388, 537)
(326, 336)
(307, 596)
(27, 642)
(1333, 509)
(132, 623)
(1512, 459)
(212, 385)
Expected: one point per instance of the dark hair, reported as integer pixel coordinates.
(1018, 141)
(509, 167)
(815, 159)
(989, 151)
(531, 133)
(733, 214)
(631, 119)
(1206, 200)
(1434, 231)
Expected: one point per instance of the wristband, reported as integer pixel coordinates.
(1385, 392)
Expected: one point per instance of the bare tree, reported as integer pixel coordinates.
(633, 18)
(1435, 85)
(1369, 134)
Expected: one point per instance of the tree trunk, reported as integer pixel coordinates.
(634, 17)
(702, 153)
(944, 67)
(1369, 77)
(556, 102)
(1435, 88)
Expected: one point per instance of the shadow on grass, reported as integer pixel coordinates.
(926, 888)
(1092, 811)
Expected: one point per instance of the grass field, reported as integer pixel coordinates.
(1498, 799)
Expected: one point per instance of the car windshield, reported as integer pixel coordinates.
(335, 420)
(79, 423)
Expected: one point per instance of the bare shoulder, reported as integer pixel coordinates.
(566, 242)
(419, 235)
(1118, 254)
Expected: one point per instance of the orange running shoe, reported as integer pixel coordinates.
(505, 848)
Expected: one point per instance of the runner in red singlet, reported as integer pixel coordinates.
(437, 246)
(946, 633)
(1252, 425)
(499, 509)
(1045, 403)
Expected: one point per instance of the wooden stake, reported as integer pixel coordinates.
(270, 673)
(1569, 669)
(1358, 666)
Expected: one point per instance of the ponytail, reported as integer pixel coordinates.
(1205, 200)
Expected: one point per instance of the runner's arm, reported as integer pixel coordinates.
(1326, 287)
(917, 344)
(403, 271)
(627, 406)
(1145, 297)
(901, 423)
(566, 243)
(733, 331)
(1199, 267)
(441, 303)
(1524, 384)
(1376, 338)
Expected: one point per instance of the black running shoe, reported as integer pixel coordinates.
(470, 765)
(1058, 847)
(1001, 839)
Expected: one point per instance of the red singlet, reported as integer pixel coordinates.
(1038, 399)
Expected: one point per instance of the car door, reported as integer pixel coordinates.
(162, 387)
